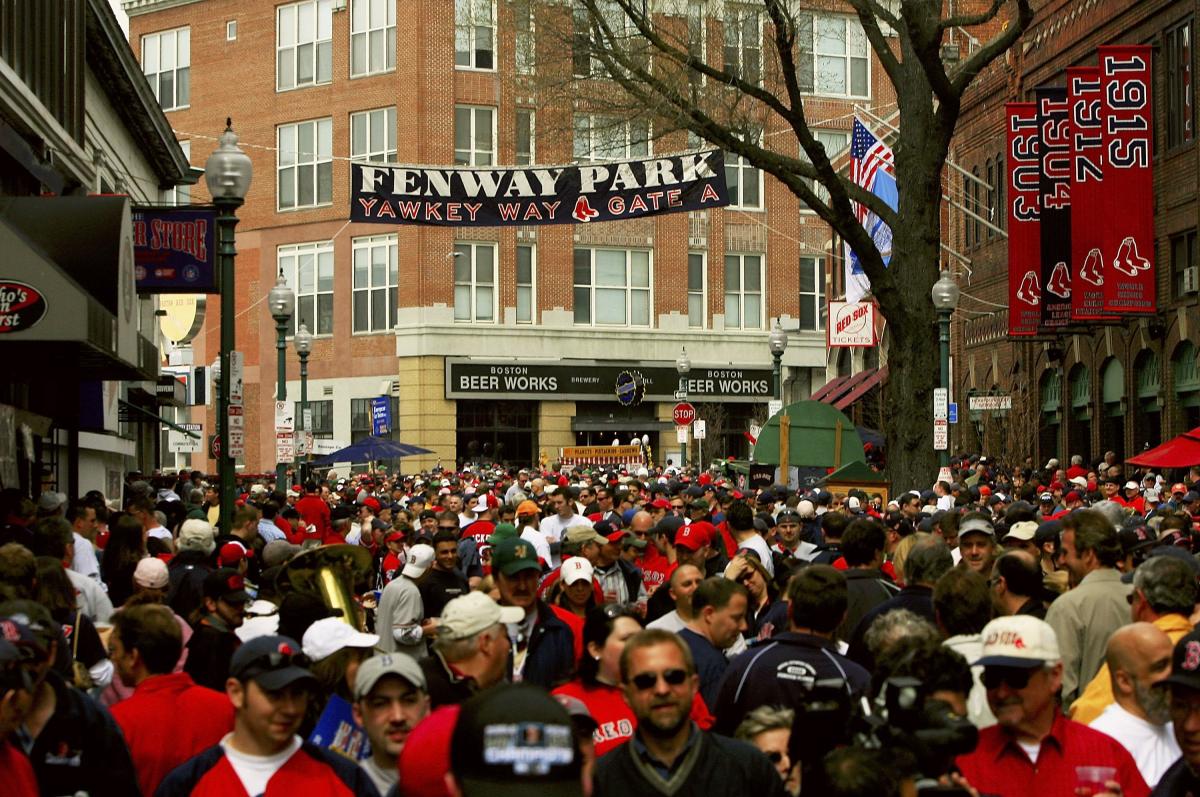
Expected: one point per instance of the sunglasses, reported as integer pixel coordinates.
(648, 680)
(447, 528)
(1014, 677)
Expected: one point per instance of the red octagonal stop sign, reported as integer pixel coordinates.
(684, 414)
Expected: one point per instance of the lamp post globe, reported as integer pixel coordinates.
(303, 343)
(228, 171)
(303, 340)
(777, 343)
(683, 363)
(281, 300)
(945, 293)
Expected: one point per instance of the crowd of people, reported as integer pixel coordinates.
(1013, 630)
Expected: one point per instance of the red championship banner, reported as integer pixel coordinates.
(1129, 273)
(1054, 152)
(1089, 204)
(1024, 236)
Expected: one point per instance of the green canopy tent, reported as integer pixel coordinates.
(819, 435)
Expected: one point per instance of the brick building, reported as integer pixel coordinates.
(416, 312)
(1117, 387)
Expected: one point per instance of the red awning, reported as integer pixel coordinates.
(869, 380)
(830, 387)
(1179, 452)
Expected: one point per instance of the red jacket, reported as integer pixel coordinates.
(19, 780)
(167, 721)
(310, 771)
(614, 718)
(315, 512)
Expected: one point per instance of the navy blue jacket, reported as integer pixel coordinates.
(916, 599)
(782, 671)
(711, 664)
(551, 658)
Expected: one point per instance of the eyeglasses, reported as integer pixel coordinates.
(648, 680)
(677, 506)
(1014, 677)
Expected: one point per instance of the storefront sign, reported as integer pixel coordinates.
(851, 324)
(601, 455)
(592, 381)
(173, 250)
(381, 416)
(568, 194)
(21, 306)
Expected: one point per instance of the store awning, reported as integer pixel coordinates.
(150, 416)
(67, 293)
(865, 381)
(830, 387)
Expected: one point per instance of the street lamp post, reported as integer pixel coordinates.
(281, 300)
(227, 172)
(303, 344)
(945, 299)
(778, 342)
(683, 365)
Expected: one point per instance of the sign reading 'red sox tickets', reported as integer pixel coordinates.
(571, 194)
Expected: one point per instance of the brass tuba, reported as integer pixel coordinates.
(331, 573)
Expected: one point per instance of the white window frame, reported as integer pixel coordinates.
(180, 194)
(525, 47)
(372, 21)
(628, 288)
(467, 30)
(741, 293)
(828, 138)
(816, 297)
(742, 167)
(592, 129)
(696, 13)
(155, 70)
(475, 157)
(289, 259)
(289, 156)
(808, 59)
(466, 252)
(623, 29)
(374, 151)
(530, 287)
(520, 158)
(231, 30)
(702, 294)
(738, 11)
(290, 42)
(364, 249)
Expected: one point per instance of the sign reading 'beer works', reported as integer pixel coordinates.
(481, 197)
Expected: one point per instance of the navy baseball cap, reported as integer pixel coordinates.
(272, 662)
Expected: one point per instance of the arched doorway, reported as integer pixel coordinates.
(1187, 385)
(1147, 421)
(1050, 390)
(1112, 397)
(1079, 423)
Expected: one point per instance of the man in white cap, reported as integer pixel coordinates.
(389, 700)
(400, 619)
(1033, 748)
(471, 650)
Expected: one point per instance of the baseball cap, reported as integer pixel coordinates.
(151, 573)
(510, 740)
(1048, 532)
(50, 501)
(631, 540)
(420, 557)
(231, 553)
(528, 507)
(1131, 485)
(695, 536)
(1025, 530)
(582, 534)
(578, 711)
(197, 535)
(787, 516)
(668, 527)
(226, 584)
(469, 614)
(1018, 641)
(503, 531)
(576, 568)
(395, 536)
(1073, 496)
(1046, 497)
(978, 525)
(272, 662)
(660, 503)
(513, 555)
(1079, 481)
(1136, 539)
(425, 759)
(1178, 488)
(376, 667)
(1152, 496)
(1185, 662)
(806, 509)
(326, 637)
(276, 552)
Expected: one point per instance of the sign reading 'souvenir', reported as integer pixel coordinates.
(572, 194)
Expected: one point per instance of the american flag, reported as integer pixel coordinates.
(873, 167)
(868, 155)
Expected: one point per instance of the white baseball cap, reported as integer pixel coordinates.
(420, 557)
(330, 634)
(1025, 530)
(576, 568)
(468, 615)
(1018, 641)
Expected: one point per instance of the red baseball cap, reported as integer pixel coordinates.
(373, 503)
(1073, 496)
(695, 536)
(1178, 488)
(660, 503)
(985, 490)
(395, 536)
(232, 553)
(426, 755)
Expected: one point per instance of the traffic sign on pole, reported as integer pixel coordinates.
(941, 401)
(684, 414)
(941, 434)
(699, 428)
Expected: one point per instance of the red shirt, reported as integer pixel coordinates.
(656, 569)
(1076, 471)
(614, 718)
(999, 766)
(19, 780)
(315, 512)
(576, 624)
(479, 531)
(167, 721)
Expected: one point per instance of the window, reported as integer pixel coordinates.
(372, 37)
(525, 145)
(305, 164)
(1183, 256)
(832, 56)
(743, 42)
(1177, 58)
(523, 14)
(976, 207)
(474, 135)
(1001, 219)
(360, 418)
(180, 194)
(474, 282)
(966, 205)
(322, 417)
(590, 45)
(743, 292)
(612, 286)
(231, 30)
(375, 292)
(812, 293)
(696, 279)
(526, 292)
(303, 44)
(991, 197)
(697, 40)
(608, 138)
(834, 142)
(167, 61)
(373, 135)
(308, 270)
(474, 34)
(744, 182)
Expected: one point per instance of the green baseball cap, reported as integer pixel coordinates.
(513, 555)
(503, 531)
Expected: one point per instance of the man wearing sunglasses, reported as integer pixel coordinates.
(668, 753)
(270, 687)
(1033, 748)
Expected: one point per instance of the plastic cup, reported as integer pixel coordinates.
(1094, 778)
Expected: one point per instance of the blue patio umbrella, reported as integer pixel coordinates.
(370, 449)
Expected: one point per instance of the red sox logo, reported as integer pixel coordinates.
(583, 211)
(1191, 658)
(1092, 271)
(1128, 261)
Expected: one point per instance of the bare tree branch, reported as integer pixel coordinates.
(974, 64)
(969, 20)
(869, 13)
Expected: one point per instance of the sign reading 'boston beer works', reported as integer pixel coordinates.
(572, 194)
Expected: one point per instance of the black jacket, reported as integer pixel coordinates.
(916, 599)
(187, 570)
(551, 658)
(442, 685)
(866, 589)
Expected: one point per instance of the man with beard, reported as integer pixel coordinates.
(1139, 658)
(389, 700)
(668, 753)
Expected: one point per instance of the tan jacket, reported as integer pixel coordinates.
(1083, 620)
